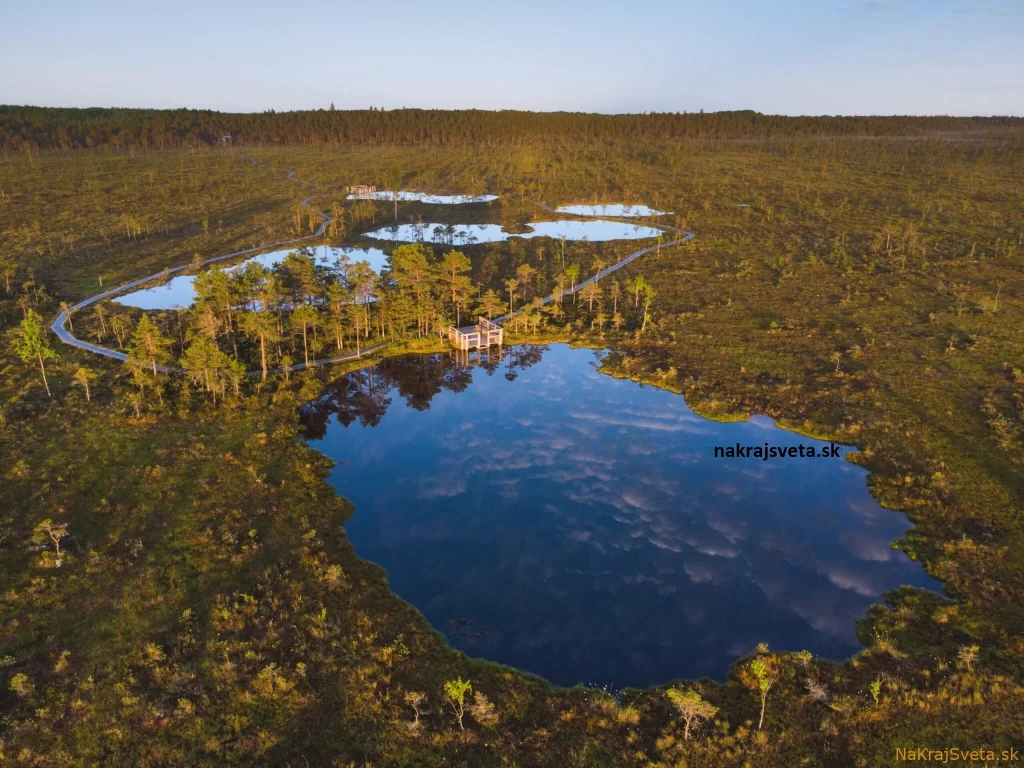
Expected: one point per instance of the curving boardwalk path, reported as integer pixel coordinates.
(62, 333)
(65, 336)
(686, 235)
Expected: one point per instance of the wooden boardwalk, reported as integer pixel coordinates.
(64, 335)
(480, 336)
(684, 236)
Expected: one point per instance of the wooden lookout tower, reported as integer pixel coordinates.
(484, 334)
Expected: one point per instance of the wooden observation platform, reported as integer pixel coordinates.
(483, 334)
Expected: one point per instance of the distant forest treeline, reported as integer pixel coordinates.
(60, 128)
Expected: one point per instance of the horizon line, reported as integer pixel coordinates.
(380, 109)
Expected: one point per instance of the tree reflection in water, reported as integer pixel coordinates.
(365, 395)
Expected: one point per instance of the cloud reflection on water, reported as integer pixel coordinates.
(583, 520)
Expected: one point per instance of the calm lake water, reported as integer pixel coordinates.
(611, 209)
(550, 517)
(467, 234)
(178, 293)
(424, 197)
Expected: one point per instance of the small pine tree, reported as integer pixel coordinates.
(49, 532)
(691, 707)
(876, 690)
(483, 711)
(81, 378)
(148, 346)
(31, 344)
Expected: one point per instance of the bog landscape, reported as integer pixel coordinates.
(423, 437)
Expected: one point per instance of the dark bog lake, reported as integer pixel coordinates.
(550, 517)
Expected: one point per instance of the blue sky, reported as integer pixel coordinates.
(959, 57)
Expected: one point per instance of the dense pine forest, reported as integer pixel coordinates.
(41, 127)
(178, 588)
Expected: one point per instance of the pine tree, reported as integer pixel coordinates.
(31, 344)
(148, 346)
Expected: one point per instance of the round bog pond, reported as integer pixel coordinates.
(547, 516)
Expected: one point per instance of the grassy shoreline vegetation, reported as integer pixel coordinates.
(177, 585)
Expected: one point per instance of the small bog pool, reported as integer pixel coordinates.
(544, 515)
(596, 230)
(423, 197)
(179, 293)
(610, 209)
